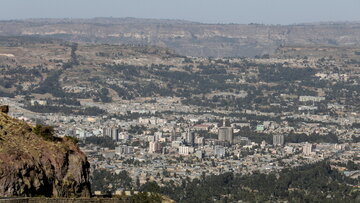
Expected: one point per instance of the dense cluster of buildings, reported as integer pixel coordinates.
(165, 140)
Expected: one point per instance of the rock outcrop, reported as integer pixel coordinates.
(4, 109)
(31, 165)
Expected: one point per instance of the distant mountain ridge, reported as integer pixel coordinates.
(189, 38)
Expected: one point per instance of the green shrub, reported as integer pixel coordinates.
(47, 132)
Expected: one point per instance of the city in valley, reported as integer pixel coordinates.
(146, 114)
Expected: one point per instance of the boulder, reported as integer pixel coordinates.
(4, 109)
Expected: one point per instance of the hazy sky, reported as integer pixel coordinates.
(208, 11)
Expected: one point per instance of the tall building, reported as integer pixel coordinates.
(173, 135)
(111, 132)
(278, 140)
(190, 138)
(154, 147)
(115, 134)
(307, 149)
(222, 134)
(107, 132)
(225, 133)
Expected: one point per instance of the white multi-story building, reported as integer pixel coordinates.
(278, 140)
(124, 149)
(311, 98)
(154, 147)
(185, 150)
(307, 149)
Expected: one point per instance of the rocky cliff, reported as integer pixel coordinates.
(31, 165)
(188, 38)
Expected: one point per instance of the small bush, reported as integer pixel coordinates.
(72, 139)
(47, 132)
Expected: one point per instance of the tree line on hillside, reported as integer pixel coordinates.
(309, 183)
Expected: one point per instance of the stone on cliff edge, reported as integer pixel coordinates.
(33, 166)
(4, 109)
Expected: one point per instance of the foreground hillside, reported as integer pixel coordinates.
(33, 163)
(188, 38)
